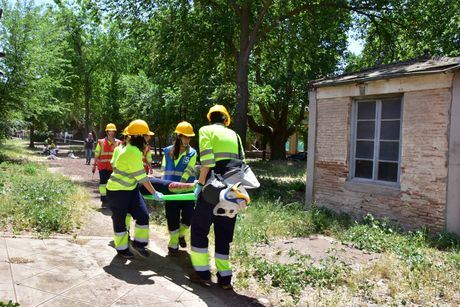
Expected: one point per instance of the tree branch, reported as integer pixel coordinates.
(253, 37)
(267, 116)
(265, 131)
(297, 122)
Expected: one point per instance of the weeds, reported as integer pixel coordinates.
(32, 199)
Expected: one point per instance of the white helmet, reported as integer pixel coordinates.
(232, 200)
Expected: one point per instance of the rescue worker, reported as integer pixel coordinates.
(116, 152)
(102, 157)
(124, 196)
(220, 151)
(178, 165)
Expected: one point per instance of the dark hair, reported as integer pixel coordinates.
(217, 118)
(138, 141)
(174, 153)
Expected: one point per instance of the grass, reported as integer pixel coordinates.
(34, 200)
(415, 267)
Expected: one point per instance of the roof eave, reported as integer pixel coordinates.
(389, 76)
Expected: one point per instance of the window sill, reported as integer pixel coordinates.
(372, 187)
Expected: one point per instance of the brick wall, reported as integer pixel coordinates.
(422, 196)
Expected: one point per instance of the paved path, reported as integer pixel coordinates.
(87, 272)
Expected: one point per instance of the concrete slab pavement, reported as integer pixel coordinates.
(87, 272)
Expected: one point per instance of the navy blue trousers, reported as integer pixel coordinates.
(124, 202)
(178, 212)
(104, 176)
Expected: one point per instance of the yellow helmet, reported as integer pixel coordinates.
(139, 127)
(221, 109)
(185, 128)
(125, 131)
(110, 127)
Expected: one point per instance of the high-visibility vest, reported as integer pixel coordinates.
(128, 170)
(182, 169)
(106, 153)
(218, 143)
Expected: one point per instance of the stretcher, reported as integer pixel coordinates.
(172, 191)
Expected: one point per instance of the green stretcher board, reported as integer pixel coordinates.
(174, 197)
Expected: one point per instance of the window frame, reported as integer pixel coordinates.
(378, 120)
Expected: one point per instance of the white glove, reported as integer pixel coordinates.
(158, 196)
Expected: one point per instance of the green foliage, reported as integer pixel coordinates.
(277, 212)
(9, 304)
(411, 29)
(293, 278)
(34, 199)
(34, 69)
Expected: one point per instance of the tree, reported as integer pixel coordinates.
(240, 26)
(423, 30)
(35, 67)
(300, 50)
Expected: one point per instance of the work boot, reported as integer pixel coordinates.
(197, 279)
(182, 242)
(141, 251)
(226, 286)
(173, 252)
(125, 254)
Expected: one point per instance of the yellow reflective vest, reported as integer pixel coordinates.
(217, 143)
(128, 170)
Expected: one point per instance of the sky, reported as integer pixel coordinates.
(354, 45)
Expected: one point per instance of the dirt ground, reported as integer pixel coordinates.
(317, 247)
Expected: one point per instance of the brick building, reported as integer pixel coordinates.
(386, 141)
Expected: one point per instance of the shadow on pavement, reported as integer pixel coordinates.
(176, 270)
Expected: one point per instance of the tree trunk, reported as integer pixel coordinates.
(277, 147)
(242, 70)
(31, 141)
(242, 97)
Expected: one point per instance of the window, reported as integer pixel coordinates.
(376, 140)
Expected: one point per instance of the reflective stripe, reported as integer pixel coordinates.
(130, 175)
(201, 268)
(221, 256)
(104, 160)
(225, 273)
(174, 231)
(103, 189)
(208, 162)
(175, 246)
(188, 172)
(143, 179)
(173, 173)
(141, 240)
(122, 182)
(142, 226)
(120, 234)
(226, 155)
(106, 152)
(200, 250)
(205, 152)
(122, 247)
